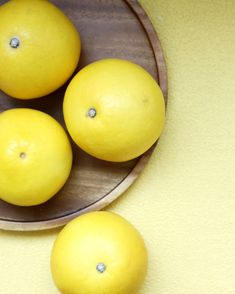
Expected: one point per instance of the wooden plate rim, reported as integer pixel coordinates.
(134, 173)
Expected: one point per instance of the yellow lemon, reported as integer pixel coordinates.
(39, 48)
(114, 110)
(99, 253)
(35, 156)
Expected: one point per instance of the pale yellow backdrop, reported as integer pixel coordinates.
(184, 202)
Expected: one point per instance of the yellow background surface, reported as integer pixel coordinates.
(184, 201)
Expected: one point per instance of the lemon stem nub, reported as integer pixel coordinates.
(14, 42)
(22, 155)
(91, 112)
(101, 267)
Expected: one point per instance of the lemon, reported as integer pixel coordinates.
(99, 253)
(35, 156)
(39, 48)
(114, 110)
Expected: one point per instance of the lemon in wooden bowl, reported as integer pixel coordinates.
(39, 48)
(35, 156)
(114, 110)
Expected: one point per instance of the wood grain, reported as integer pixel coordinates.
(108, 28)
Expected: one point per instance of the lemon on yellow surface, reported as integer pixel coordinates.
(39, 48)
(99, 253)
(114, 110)
(35, 156)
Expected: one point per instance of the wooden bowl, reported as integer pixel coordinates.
(110, 28)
